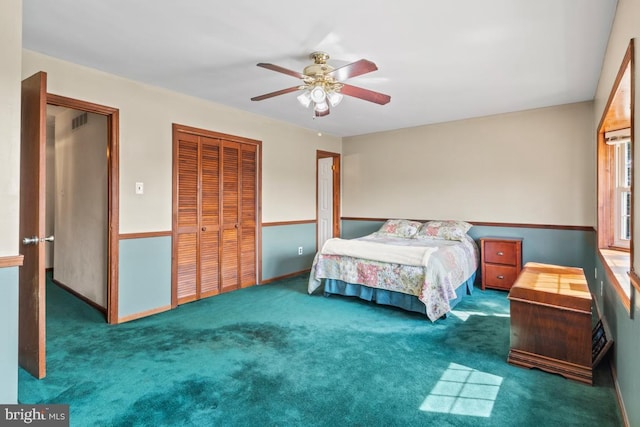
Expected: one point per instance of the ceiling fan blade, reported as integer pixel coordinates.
(366, 94)
(354, 69)
(276, 93)
(280, 69)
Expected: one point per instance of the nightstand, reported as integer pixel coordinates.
(501, 261)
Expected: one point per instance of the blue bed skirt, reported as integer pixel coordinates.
(385, 297)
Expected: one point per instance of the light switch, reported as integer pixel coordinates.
(139, 188)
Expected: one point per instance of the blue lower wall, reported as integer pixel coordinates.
(574, 248)
(145, 263)
(144, 275)
(280, 249)
(9, 335)
(351, 229)
(625, 328)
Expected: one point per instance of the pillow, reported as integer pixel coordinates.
(443, 230)
(399, 228)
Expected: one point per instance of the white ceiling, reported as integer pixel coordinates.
(438, 60)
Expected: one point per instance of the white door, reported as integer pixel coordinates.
(325, 200)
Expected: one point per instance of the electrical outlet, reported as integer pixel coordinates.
(299, 250)
(139, 188)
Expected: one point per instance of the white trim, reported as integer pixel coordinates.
(622, 187)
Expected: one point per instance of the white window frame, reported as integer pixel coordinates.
(621, 212)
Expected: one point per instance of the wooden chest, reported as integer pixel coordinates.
(551, 321)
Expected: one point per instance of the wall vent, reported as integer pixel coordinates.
(78, 121)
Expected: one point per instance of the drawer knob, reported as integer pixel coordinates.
(500, 253)
(501, 277)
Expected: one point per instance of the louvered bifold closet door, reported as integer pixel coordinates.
(187, 214)
(229, 261)
(209, 217)
(215, 222)
(248, 215)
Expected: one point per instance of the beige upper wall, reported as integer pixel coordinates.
(146, 116)
(532, 167)
(10, 65)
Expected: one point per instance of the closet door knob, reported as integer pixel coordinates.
(204, 228)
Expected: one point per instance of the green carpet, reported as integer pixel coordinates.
(274, 356)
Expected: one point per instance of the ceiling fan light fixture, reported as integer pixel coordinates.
(318, 94)
(322, 85)
(321, 106)
(305, 99)
(334, 98)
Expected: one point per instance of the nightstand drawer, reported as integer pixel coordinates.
(501, 261)
(500, 253)
(500, 276)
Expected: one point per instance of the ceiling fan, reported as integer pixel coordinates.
(322, 84)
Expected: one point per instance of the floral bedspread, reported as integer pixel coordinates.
(452, 263)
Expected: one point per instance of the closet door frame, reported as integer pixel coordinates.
(178, 128)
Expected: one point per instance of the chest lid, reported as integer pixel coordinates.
(552, 285)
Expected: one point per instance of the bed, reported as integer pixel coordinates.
(426, 268)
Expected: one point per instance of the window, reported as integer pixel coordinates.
(615, 177)
(621, 202)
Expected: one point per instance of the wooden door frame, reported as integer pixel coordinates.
(177, 128)
(113, 190)
(336, 190)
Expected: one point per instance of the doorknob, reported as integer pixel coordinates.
(30, 240)
(35, 240)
